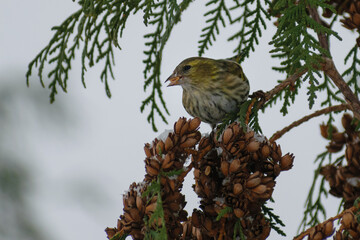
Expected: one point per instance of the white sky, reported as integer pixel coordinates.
(83, 162)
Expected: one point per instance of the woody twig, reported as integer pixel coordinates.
(335, 108)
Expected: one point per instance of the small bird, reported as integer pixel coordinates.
(211, 88)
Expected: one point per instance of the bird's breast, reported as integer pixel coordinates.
(209, 107)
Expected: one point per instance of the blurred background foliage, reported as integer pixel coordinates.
(19, 109)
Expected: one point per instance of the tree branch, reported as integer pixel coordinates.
(353, 101)
(335, 108)
(289, 81)
(330, 70)
(269, 94)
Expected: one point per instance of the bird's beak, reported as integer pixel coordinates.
(174, 80)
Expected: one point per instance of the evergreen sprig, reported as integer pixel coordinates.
(215, 17)
(62, 60)
(274, 220)
(252, 22)
(238, 231)
(163, 16)
(254, 119)
(353, 71)
(223, 212)
(160, 232)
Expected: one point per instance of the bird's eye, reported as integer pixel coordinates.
(186, 68)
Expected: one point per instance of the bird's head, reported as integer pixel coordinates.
(193, 72)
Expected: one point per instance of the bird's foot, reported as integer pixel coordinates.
(258, 94)
(261, 95)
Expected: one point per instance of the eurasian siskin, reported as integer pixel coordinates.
(211, 88)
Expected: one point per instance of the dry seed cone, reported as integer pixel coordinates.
(353, 21)
(349, 229)
(339, 5)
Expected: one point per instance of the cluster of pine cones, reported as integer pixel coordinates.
(344, 179)
(234, 176)
(344, 176)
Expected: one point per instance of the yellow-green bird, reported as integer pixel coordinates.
(211, 88)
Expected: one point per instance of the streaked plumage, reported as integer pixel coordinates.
(211, 88)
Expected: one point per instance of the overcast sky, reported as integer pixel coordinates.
(85, 150)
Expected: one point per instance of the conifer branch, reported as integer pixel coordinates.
(335, 108)
(330, 69)
(353, 101)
